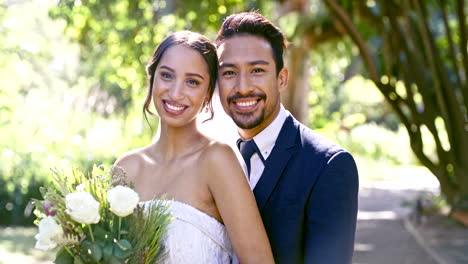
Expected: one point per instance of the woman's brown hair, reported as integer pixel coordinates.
(192, 40)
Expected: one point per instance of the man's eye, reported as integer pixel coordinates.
(228, 73)
(166, 75)
(258, 70)
(193, 82)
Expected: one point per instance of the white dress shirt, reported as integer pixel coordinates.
(265, 141)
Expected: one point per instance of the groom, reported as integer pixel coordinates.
(305, 186)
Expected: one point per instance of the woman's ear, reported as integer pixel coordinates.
(283, 78)
(205, 104)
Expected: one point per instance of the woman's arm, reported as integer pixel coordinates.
(236, 205)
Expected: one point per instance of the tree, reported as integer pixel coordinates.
(395, 39)
(416, 55)
(118, 37)
(311, 28)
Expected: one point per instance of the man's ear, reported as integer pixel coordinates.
(283, 78)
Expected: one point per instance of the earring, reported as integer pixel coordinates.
(205, 105)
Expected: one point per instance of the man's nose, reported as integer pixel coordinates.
(243, 84)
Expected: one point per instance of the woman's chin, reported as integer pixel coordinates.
(177, 122)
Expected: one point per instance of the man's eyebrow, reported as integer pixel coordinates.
(264, 62)
(259, 62)
(223, 64)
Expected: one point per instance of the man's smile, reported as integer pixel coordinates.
(246, 103)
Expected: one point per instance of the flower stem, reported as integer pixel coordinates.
(120, 224)
(68, 250)
(91, 233)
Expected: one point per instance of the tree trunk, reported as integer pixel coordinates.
(410, 54)
(295, 98)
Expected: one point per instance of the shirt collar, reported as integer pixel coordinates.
(266, 139)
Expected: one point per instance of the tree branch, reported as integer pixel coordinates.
(428, 50)
(448, 32)
(318, 33)
(463, 44)
(357, 38)
(455, 128)
(366, 14)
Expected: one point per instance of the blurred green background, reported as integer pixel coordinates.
(386, 80)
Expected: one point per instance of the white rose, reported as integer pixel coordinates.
(49, 233)
(82, 207)
(122, 200)
(81, 187)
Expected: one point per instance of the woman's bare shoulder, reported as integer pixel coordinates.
(216, 150)
(132, 161)
(219, 156)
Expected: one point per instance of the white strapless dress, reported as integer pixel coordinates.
(195, 237)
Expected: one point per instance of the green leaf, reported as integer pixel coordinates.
(107, 251)
(43, 191)
(100, 234)
(123, 249)
(124, 244)
(115, 260)
(78, 260)
(63, 257)
(92, 249)
(118, 253)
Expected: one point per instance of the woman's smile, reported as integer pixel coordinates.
(173, 107)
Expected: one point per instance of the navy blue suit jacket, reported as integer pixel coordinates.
(307, 197)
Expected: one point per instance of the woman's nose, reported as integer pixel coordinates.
(176, 92)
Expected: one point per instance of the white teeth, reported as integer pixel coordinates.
(174, 108)
(245, 104)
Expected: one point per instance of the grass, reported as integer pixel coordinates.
(17, 245)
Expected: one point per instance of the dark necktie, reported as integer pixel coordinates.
(247, 149)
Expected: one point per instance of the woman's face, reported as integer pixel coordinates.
(180, 85)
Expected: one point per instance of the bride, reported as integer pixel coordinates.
(216, 216)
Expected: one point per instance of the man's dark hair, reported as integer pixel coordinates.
(252, 23)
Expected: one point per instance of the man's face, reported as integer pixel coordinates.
(249, 87)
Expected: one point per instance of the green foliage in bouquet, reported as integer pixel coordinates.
(97, 218)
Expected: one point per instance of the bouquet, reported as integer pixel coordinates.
(97, 218)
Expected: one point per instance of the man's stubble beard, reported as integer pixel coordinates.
(246, 120)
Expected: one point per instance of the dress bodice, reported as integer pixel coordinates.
(195, 237)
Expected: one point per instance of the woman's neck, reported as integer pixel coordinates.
(177, 142)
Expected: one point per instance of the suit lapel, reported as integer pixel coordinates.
(276, 162)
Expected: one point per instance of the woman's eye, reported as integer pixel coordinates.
(166, 75)
(193, 82)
